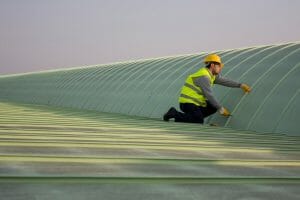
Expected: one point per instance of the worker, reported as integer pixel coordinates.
(196, 99)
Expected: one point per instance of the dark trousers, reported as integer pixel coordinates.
(193, 113)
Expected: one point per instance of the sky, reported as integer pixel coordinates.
(39, 35)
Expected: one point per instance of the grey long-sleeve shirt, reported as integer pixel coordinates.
(204, 83)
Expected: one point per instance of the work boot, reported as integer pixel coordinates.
(170, 114)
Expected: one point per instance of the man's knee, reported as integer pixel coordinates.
(209, 110)
(198, 117)
(214, 110)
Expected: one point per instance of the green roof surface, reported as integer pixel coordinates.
(95, 132)
(59, 153)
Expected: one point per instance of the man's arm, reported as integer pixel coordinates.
(204, 83)
(226, 82)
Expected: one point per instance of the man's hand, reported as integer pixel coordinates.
(223, 111)
(246, 88)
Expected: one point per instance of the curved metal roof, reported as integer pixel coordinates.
(149, 87)
(54, 152)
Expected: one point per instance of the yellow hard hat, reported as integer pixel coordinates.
(213, 58)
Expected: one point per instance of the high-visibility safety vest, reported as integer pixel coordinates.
(190, 93)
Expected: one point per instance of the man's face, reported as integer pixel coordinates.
(216, 68)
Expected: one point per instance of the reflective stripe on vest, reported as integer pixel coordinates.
(190, 93)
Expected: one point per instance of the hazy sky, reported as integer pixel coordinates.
(46, 34)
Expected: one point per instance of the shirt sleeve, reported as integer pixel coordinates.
(226, 82)
(204, 83)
